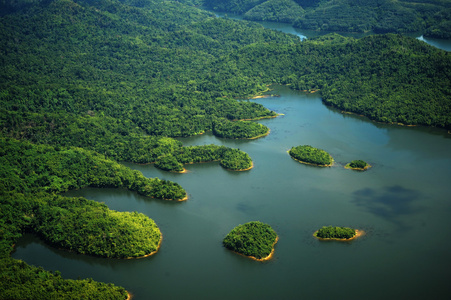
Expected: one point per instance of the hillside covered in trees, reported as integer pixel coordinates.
(432, 17)
(87, 84)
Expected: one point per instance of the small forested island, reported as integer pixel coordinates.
(88, 227)
(337, 233)
(358, 164)
(310, 155)
(253, 239)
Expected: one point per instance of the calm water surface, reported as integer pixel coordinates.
(402, 202)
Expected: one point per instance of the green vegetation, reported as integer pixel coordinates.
(23, 212)
(388, 78)
(88, 227)
(311, 155)
(331, 232)
(432, 17)
(254, 239)
(232, 159)
(241, 130)
(236, 160)
(85, 84)
(286, 11)
(358, 165)
(30, 168)
(21, 281)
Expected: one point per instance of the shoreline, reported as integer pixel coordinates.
(204, 162)
(270, 255)
(151, 253)
(358, 233)
(259, 136)
(241, 170)
(258, 118)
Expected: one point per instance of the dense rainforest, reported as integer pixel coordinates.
(430, 17)
(87, 84)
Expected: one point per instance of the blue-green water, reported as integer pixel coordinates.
(402, 203)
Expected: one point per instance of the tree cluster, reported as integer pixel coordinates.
(379, 16)
(331, 232)
(88, 227)
(358, 164)
(241, 130)
(311, 155)
(254, 239)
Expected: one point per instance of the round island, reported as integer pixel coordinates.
(255, 240)
(307, 154)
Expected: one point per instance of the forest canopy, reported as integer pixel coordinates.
(334, 232)
(380, 16)
(311, 155)
(357, 164)
(85, 84)
(254, 239)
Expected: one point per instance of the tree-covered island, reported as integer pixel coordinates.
(253, 239)
(309, 155)
(358, 165)
(337, 233)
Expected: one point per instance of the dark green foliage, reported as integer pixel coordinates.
(379, 16)
(169, 163)
(30, 168)
(235, 159)
(229, 158)
(235, 6)
(311, 155)
(21, 281)
(254, 239)
(88, 227)
(331, 232)
(358, 164)
(86, 83)
(286, 11)
(240, 129)
(388, 78)
(18, 214)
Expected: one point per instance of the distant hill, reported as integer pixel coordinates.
(430, 17)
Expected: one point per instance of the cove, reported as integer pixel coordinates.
(402, 203)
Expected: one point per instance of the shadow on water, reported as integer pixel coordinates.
(389, 203)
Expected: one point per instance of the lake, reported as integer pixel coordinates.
(402, 203)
